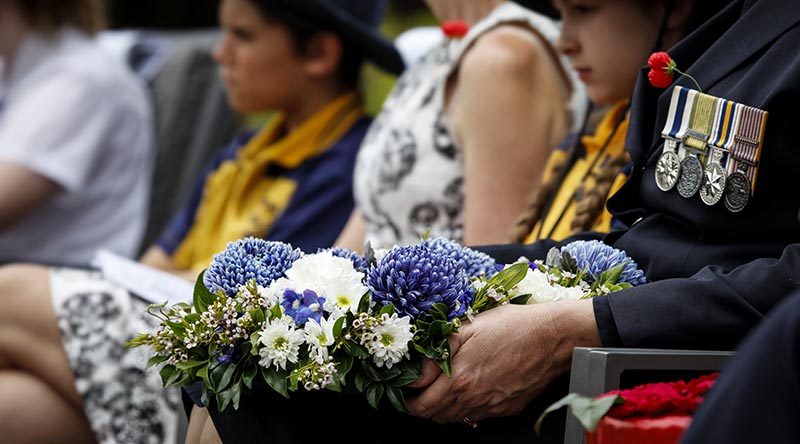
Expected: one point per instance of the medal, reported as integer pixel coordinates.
(713, 186)
(695, 142)
(714, 176)
(691, 176)
(742, 166)
(737, 192)
(668, 167)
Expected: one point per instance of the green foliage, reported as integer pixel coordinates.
(589, 411)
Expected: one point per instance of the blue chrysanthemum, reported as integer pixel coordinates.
(474, 262)
(359, 262)
(597, 257)
(414, 278)
(247, 259)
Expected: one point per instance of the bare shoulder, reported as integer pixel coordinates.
(506, 50)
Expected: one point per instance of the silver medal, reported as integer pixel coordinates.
(737, 192)
(691, 176)
(668, 167)
(713, 187)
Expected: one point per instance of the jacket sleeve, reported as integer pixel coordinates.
(714, 309)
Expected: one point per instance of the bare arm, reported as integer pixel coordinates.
(354, 233)
(21, 192)
(509, 108)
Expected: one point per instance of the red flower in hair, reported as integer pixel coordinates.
(455, 29)
(663, 69)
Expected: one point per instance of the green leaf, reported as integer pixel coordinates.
(374, 395)
(224, 398)
(237, 395)
(405, 378)
(192, 318)
(511, 276)
(179, 329)
(275, 313)
(345, 364)
(258, 316)
(520, 300)
(439, 311)
(612, 275)
(362, 381)
(202, 373)
(363, 304)
(397, 399)
(202, 296)
(277, 380)
(369, 254)
(589, 411)
(337, 328)
(188, 365)
(357, 350)
(155, 360)
(371, 372)
(248, 376)
(166, 373)
(446, 365)
(390, 373)
(387, 309)
(227, 375)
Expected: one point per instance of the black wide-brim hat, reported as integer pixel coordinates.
(356, 21)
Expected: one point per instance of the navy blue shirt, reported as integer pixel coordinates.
(318, 209)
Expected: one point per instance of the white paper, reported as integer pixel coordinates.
(152, 285)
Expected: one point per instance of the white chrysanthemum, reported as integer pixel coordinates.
(280, 343)
(388, 341)
(319, 337)
(331, 277)
(536, 284)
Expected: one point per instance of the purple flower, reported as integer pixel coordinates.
(359, 262)
(247, 259)
(596, 257)
(414, 278)
(474, 262)
(302, 307)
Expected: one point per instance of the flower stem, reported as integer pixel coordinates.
(687, 75)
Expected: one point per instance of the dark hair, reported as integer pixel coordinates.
(47, 15)
(302, 31)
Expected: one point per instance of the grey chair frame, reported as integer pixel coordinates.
(598, 370)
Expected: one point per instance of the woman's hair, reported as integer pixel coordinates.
(48, 15)
(302, 31)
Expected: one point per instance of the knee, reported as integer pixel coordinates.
(15, 278)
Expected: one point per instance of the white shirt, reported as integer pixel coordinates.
(76, 115)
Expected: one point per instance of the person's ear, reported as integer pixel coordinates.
(323, 54)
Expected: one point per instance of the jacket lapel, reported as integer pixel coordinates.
(738, 32)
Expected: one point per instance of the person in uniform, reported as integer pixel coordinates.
(715, 270)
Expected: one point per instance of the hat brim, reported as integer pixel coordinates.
(373, 45)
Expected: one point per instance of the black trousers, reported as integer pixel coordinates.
(265, 417)
(757, 398)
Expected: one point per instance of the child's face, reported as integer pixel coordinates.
(608, 42)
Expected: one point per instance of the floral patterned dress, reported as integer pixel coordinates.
(409, 173)
(123, 400)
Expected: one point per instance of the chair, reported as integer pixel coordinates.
(193, 120)
(598, 370)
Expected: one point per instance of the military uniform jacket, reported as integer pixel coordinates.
(714, 274)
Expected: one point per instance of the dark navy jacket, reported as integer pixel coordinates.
(715, 274)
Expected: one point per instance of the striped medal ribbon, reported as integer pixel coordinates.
(668, 168)
(695, 142)
(745, 152)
